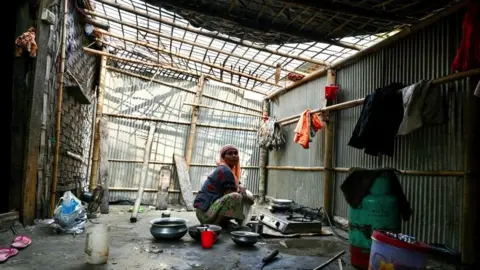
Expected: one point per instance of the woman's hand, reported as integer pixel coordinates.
(241, 190)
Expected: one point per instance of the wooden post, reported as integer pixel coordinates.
(59, 110)
(143, 175)
(263, 161)
(163, 185)
(328, 155)
(471, 148)
(99, 113)
(29, 198)
(193, 127)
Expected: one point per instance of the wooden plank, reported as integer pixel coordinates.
(184, 180)
(8, 219)
(143, 176)
(163, 186)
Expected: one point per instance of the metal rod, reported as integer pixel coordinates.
(323, 265)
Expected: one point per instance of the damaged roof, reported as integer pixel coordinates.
(240, 43)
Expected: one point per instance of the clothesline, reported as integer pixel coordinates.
(357, 102)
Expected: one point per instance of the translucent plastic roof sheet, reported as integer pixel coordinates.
(200, 53)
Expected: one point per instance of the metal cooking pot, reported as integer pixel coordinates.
(245, 239)
(194, 231)
(168, 228)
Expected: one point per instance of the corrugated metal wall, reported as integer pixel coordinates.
(131, 96)
(436, 201)
(302, 187)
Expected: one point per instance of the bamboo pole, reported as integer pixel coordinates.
(186, 41)
(263, 162)
(296, 168)
(377, 47)
(207, 34)
(117, 70)
(223, 110)
(155, 119)
(139, 161)
(346, 170)
(171, 163)
(143, 175)
(99, 112)
(471, 126)
(184, 71)
(146, 118)
(328, 187)
(358, 102)
(193, 126)
(58, 124)
(188, 58)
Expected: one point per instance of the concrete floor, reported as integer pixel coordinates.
(131, 248)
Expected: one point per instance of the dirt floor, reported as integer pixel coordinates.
(132, 247)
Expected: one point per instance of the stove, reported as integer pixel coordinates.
(297, 219)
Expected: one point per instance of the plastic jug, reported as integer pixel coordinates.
(68, 203)
(97, 244)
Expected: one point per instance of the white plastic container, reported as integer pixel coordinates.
(97, 244)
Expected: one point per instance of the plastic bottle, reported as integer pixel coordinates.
(97, 244)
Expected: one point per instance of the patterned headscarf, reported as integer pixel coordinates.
(237, 171)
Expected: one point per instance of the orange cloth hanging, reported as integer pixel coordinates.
(306, 123)
(302, 131)
(316, 122)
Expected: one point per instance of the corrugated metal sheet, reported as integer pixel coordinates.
(303, 187)
(131, 96)
(310, 95)
(436, 200)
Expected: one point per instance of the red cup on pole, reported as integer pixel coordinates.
(207, 239)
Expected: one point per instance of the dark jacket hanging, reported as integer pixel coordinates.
(381, 115)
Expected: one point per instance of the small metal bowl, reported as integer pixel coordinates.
(194, 231)
(245, 239)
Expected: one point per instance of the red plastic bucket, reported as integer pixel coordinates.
(331, 92)
(207, 239)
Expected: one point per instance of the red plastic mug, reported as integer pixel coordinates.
(207, 238)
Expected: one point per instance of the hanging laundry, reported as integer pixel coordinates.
(377, 127)
(307, 126)
(270, 136)
(477, 90)
(26, 41)
(468, 53)
(423, 105)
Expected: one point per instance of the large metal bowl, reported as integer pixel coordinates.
(168, 228)
(194, 232)
(245, 239)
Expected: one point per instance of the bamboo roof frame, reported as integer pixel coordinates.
(146, 36)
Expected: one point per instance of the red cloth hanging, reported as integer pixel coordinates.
(468, 54)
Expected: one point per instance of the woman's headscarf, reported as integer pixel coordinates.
(237, 171)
